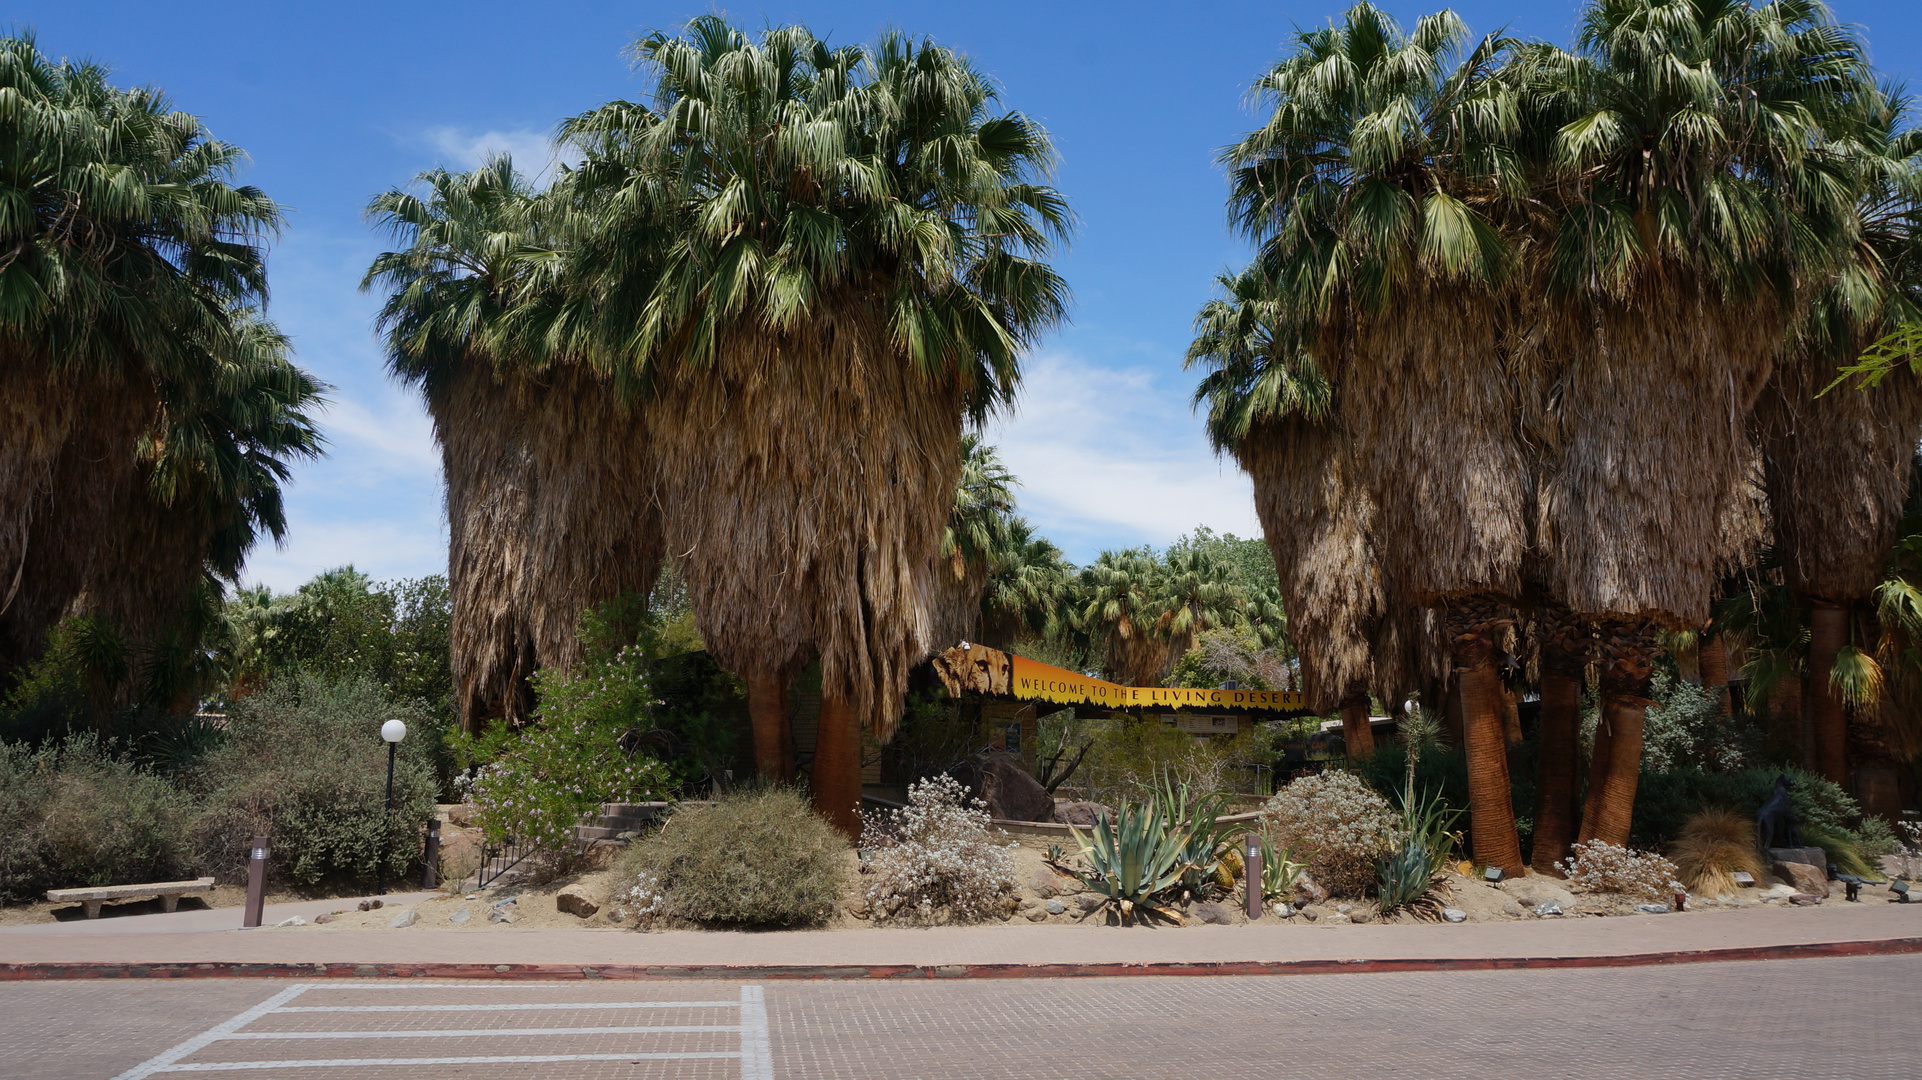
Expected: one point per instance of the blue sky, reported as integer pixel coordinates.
(338, 101)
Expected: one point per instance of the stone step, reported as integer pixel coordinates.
(598, 832)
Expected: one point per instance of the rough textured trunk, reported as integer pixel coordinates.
(1356, 735)
(835, 781)
(1490, 803)
(767, 710)
(1615, 768)
(1564, 653)
(1787, 731)
(1452, 712)
(1511, 709)
(1712, 656)
(1828, 721)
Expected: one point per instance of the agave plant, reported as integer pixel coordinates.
(1135, 860)
(1196, 821)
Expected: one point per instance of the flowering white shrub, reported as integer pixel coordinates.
(1599, 866)
(1338, 824)
(645, 895)
(936, 853)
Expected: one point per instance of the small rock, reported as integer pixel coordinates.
(294, 921)
(1451, 914)
(1652, 909)
(1343, 909)
(1776, 892)
(327, 918)
(1804, 900)
(1090, 902)
(1056, 907)
(1363, 917)
(1548, 907)
(1537, 889)
(405, 919)
(1210, 912)
(366, 905)
(1337, 919)
(575, 901)
(1308, 889)
(1037, 915)
(502, 915)
(460, 916)
(505, 900)
(1311, 913)
(1285, 910)
(1510, 907)
(616, 915)
(378, 904)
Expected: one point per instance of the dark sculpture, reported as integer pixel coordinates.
(1775, 821)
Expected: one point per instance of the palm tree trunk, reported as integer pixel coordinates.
(1827, 718)
(1356, 734)
(1452, 712)
(1785, 741)
(836, 776)
(1615, 768)
(1713, 659)
(1564, 650)
(1511, 709)
(767, 711)
(1491, 806)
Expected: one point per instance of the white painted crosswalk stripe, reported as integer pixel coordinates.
(755, 1052)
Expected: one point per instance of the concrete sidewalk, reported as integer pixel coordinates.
(1833, 929)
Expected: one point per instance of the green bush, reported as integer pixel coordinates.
(754, 858)
(72, 815)
(535, 783)
(304, 762)
(1665, 800)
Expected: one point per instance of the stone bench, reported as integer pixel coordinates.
(169, 893)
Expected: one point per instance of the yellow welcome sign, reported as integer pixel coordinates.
(1031, 680)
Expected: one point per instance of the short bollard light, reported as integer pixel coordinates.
(393, 731)
(256, 884)
(1251, 875)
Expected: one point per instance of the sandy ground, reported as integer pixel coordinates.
(534, 906)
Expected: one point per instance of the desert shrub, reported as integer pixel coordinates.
(754, 858)
(1688, 727)
(1130, 757)
(1843, 850)
(1876, 838)
(72, 815)
(535, 783)
(1714, 845)
(1599, 866)
(1337, 824)
(937, 853)
(304, 763)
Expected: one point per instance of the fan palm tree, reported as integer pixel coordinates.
(546, 463)
(1026, 593)
(977, 530)
(850, 264)
(1689, 186)
(1377, 189)
(1838, 464)
(1119, 613)
(130, 256)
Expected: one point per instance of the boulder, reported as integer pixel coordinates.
(1002, 781)
(1309, 890)
(1046, 883)
(460, 916)
(1803, 877)
(1081, 815)
(403, 920)
(1537, 889)
(1812, 856)
(574, 900)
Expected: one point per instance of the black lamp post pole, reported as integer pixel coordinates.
(381, 871)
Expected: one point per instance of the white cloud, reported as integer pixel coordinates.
(392, 432)
(1110, 458)
(534, 153)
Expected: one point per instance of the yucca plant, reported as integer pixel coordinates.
(1133, 861)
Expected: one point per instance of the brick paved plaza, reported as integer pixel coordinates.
(1808, 1018)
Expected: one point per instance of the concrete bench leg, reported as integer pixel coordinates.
(169, 902)
(93, 908)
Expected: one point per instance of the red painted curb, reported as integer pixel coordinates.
(51, 971)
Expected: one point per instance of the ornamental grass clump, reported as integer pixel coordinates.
(753, 858)
(1338, 825)
(937, 855)
(1599, 866)
(1715, 844)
